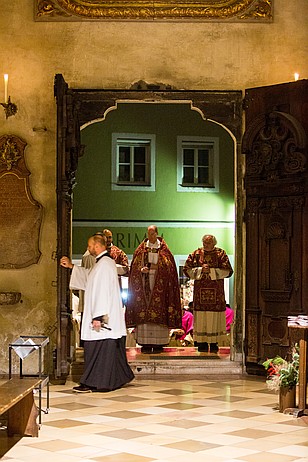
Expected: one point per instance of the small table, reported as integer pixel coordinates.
(16, 399)
(302, 379)
(37, 342)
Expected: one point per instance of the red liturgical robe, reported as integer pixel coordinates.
(162, 305)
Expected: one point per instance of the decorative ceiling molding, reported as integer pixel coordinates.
(147, 10)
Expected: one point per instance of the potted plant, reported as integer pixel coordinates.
(282, 376)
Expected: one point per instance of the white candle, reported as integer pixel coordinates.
(296, 76)
(6, 81)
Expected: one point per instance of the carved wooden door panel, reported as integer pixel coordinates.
(276, 181)
(68, 150)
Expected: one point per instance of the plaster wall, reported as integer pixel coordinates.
(114, 55)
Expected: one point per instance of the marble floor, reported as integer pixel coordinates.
(165, 419)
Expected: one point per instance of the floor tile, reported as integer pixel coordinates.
(55, 445)
(239, 414)
(185, 423)
(266, 457)
(293, 450)
(65, 423)
(72, 406)
(124, 434)
(122, 457)
(252, 433)
(191, 445)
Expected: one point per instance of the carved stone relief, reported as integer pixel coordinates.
(20, 214)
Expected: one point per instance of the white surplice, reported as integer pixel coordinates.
(102, 298)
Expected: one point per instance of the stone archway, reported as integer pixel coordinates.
(222, 107)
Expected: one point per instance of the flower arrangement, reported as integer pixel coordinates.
(282, 373)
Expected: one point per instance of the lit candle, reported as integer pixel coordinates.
(6, 81)
(296, 76)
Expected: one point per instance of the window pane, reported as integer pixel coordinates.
(188, 156)
(124, 154)
(203, 175)
(188, 175)
(203, 157)
(139, 173)
(124, 173)
(139, 154)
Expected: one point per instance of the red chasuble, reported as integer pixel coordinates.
(209, 294)
(161, 306)
(118, 256)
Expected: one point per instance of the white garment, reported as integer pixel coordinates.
(102, 297)
(87, 262)
(215, 273)
(152, 258)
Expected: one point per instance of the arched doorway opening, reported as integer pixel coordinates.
(222, 109)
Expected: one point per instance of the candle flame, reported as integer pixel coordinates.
(6, 79)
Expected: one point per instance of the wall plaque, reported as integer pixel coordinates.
(20, 214)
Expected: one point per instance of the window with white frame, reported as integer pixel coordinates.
(133, 162)
(198, 162)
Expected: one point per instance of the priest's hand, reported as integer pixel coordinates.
(66, 262)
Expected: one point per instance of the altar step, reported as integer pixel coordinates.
(172, 363)
(184, 366)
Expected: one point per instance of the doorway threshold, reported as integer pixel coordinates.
(183, 360)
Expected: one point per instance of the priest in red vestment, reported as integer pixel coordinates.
(208, 266)
(154, 304)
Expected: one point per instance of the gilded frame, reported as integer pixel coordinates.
(150, 10)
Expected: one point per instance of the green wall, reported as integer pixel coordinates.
(183, 218)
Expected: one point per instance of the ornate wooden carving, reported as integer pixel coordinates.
(275, 145)
(68, 151)
(252, 351)
(224, 107)
(275, 331)
(205, 10)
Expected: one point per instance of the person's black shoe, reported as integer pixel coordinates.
(82, 389)
(158, 349)
(214, 347)
(146, 350)
(203, 347)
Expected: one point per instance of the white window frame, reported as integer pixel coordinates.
(213, 162)
(118, 138)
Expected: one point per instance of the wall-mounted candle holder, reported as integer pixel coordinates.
(10, 108)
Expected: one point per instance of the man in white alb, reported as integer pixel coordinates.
(103, 328)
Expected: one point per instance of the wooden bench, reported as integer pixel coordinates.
(17, 400)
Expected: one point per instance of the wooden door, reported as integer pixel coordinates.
(276, 182)
(68, 151)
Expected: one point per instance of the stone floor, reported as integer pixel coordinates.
(165, 418)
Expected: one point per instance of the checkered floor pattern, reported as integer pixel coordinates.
(165, 419)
